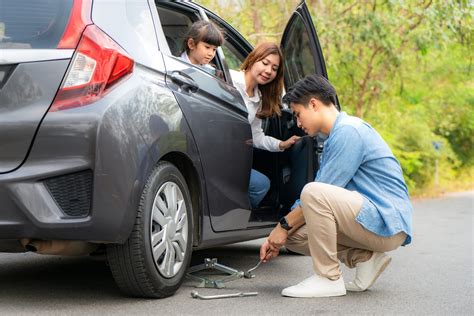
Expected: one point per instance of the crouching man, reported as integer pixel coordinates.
(357, 208)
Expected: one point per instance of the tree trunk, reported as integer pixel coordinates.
(257, 25)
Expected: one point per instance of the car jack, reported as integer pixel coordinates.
(212, 264)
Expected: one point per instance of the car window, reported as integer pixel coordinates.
(298, 59)
(27, 24)
(175, 25)
(234, 51)
(233, 56)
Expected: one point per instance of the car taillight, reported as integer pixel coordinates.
(79, 18)
(98, 63)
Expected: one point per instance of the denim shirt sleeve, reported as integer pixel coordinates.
(343, 154)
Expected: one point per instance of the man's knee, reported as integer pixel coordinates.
(312, 191)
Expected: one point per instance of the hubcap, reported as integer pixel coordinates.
(169, 229)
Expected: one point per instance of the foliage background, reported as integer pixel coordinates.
(403, 66)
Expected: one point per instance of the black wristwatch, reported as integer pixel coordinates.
(284, 223)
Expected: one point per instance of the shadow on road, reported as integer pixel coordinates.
(62, 280)
(58, 280)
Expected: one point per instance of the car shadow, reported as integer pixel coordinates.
(57, 280)
(63, 280)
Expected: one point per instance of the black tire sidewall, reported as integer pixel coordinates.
(165, 172)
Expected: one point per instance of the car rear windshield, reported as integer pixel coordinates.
(27, 24)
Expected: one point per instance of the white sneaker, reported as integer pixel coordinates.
(316, 286)
(367, 272)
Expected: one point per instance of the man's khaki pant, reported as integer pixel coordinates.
(331, 231)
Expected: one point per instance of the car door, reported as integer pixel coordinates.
(301, 49)
(295, 167)
(217, 118)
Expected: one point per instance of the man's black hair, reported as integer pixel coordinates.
(312, 86)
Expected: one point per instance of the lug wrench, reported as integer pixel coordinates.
(248, 274)
(195, 294)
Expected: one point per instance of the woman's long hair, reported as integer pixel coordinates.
(272, 91)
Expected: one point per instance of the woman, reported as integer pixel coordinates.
(260, 82)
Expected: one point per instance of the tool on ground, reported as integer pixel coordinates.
(248, 274)
(195, 294)
(212, 264)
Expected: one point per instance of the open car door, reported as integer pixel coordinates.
(301, 50)
(291, 170)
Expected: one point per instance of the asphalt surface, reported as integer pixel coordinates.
(433, 276)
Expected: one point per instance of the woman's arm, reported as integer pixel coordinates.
(262, 141)
(289, 142)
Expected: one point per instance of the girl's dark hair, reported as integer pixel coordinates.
(203, 31)
(272, 91)
(312, 86)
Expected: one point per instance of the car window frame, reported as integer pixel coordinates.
(194, 13)
(302, 12)
(232, 35)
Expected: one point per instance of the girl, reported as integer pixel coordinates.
(200, 45)
(260, 82)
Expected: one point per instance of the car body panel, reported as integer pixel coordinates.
(139, 40)
(27, 93)
(111, 137)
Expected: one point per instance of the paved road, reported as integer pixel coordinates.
(432, 276)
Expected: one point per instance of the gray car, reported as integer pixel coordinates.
(110, 142)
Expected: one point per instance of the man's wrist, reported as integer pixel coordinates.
(284, 224)
(281, 228)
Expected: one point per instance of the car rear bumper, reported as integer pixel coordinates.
(28, 209)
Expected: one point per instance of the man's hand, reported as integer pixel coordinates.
(271, 247)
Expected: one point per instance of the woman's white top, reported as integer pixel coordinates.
(260, 140)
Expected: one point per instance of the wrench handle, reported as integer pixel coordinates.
(194, 294)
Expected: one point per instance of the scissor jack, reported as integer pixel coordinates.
(211, 264)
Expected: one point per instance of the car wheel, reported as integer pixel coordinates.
(153, 261)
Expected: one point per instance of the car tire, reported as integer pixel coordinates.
(152, 263)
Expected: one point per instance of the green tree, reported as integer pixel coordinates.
(404, 66)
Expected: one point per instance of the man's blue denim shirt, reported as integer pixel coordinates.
(356, 158)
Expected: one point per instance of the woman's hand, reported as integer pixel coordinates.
(289, 142)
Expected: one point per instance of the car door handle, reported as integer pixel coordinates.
(184, 82)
